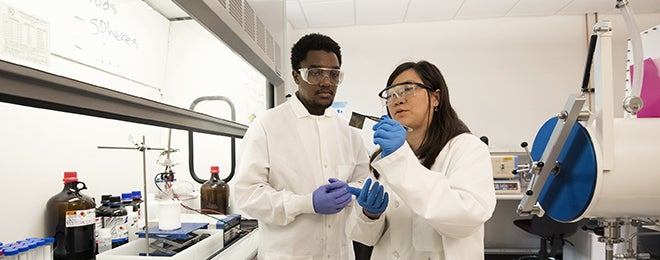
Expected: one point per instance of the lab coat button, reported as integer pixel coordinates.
(396, 254)
(396, 204)
(329, 226)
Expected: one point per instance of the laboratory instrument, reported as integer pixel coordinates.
(507, 186)
(503, 166)
(586, 164)
(504, 174)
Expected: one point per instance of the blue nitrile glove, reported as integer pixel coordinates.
(389, 134)
(331, 198)
(372, 200)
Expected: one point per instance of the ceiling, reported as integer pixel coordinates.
(335, 13)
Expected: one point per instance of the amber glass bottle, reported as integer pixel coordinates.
(215, 193)
(71, 220)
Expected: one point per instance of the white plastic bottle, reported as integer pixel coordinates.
(32, 249)
(48, 247)
(105, 240)
(39, 249)
(11, 253)
(169, 214)
(22, 251)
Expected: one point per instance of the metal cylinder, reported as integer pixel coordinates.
(630, 188)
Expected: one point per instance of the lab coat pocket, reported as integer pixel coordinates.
(424, 236)
(345, 172)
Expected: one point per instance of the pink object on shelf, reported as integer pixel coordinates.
(650, 89)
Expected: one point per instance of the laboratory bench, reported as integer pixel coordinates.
(516, 197)
(210, 239)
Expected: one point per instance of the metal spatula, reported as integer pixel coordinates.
(357, 120)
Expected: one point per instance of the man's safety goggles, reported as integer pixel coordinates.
(315, 76)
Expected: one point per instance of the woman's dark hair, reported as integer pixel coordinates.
(313, 42)
(445, 123)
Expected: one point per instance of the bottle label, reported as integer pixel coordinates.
(118, 227)
(78, 218)
(99, 225)
(132, 225)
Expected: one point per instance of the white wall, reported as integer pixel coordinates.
(506, 76)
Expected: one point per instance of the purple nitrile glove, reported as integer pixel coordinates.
(373, 199)
(331, 198)
(389, 134)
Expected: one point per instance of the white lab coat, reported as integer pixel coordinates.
(432, 214)
(286, 154)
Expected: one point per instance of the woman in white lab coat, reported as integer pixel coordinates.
(436, 175)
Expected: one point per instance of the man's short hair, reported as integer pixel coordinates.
(313, 42)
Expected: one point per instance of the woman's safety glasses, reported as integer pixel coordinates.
(401, 91)
(315, 76)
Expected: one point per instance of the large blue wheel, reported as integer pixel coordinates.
(567, 195)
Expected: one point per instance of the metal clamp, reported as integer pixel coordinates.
(541, 170)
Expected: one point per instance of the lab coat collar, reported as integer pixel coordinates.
(300, 110)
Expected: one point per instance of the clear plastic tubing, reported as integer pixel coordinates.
(636, 41)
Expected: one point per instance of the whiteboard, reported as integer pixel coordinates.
(122, 37)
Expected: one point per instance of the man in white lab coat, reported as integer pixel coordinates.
(297, 160)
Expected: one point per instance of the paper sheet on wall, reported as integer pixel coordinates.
(23, 36)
